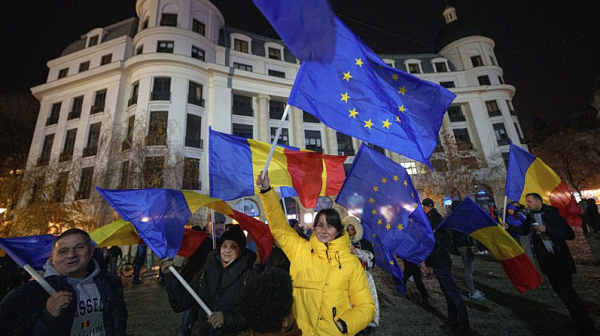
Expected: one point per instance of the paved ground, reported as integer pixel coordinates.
(505, 312)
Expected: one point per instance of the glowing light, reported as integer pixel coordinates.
(145, 219)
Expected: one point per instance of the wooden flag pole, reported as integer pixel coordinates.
(277, 135)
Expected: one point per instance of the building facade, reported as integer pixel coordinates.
(139, 96)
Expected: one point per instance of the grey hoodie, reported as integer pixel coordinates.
(88, 320)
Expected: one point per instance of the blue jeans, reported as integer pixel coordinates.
(457, 310)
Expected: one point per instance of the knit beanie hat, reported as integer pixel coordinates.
(235, 234)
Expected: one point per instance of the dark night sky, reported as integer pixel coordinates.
(549, 50)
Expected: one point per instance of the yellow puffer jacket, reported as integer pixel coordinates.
(328, 279)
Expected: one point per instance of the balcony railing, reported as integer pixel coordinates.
(74, 115)
(196, 143)
(457, 117)
(51, 121)
(132, 101)
(195, 101)
(494, 113)
(160, 95)
(243, 111)
(90, 151)
(43, 161)
(65, 157)
(97, 109)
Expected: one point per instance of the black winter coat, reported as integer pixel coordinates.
(561, 261)
(23, 311)
(440, 256)
(221, 290)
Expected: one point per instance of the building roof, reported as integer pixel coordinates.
(454, 31)
(126, 27)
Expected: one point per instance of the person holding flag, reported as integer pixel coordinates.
(331, 292)
(88, 301)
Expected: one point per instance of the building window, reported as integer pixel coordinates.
(134, 94)
(84, 66)
(501, 135)
(157, 130)
(463, 140)
(197, 53)
(139, 50)
(195, 94)
(145, 24)
(414, 68)
(60, 189)
(243, 131)
(276, 109)
(99, 100)
(67, 153)
(165, 47)
(242, 66)
(275, 73)
(309, 118)
(93, 139)
(193, 131)
(312, 141)
(440, 67)
(455, 114)
(93, 41)
(274, 53)
(240, 45)
(447, 85)
(242, 105)
(129, 137)
(168, 20)
(62, 73)
(153, 171)
(54, 114)
(106, 59)
(521, 139)
(161, 89)
(76, 108)
(283, 137)
(484, 80)
(124, 176)
(85, 185)
(191, 174)
(344, 144)
(198, 27)
(411, 167)
(493, 109)
(477, 61)
(44, 158)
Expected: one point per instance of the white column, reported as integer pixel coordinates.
(296, 129)
(262, 119)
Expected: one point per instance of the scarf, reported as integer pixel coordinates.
(538, 217)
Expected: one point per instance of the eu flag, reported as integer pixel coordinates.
(381, 193)
(350, 89)
(385, 258)
(30, 250)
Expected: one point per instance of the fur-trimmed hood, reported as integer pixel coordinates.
(351, 220)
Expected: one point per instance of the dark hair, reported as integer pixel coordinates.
(332, 218)
(267, 300)
(535, 196)
(73, 231)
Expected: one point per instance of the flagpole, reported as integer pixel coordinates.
(45, 285)
(190, 290)
(277, 135)
(214, 236)
(504, 213)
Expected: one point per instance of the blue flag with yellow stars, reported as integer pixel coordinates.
(380, 192)
(356, 93)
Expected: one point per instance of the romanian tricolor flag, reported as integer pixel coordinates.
(85, 324)
(235, 162)
(469, 218)
(528, 174)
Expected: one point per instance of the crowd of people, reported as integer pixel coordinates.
(320, 284)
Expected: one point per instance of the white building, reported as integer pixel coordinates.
(178, 62)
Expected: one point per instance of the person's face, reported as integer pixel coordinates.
(351, 231)
(325, 232)
(219, 229)
(427, 209)
(511, 211)
(71, 256)
(230, 250)
(533, 204)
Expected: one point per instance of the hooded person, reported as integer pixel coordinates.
(227, 271)
(331, 290)
(88, 300)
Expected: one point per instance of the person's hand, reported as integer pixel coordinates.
(263, 184)
(505, 226)
(216, 319)
(57, 302)
(165, 264)
(353, 249)
(539, 228)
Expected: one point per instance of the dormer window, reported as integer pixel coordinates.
(92, 41)
(413, 66)
(198, 27)
(390, 62)
(241, 46)
(477, 61)
(274, 54)
(440, 67)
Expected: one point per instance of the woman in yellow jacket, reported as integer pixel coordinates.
(331, 292)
